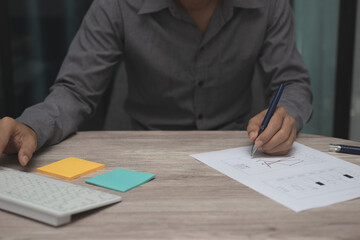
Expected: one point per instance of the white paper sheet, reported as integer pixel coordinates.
(303, 179)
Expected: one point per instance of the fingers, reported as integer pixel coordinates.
(27, 149)
(254, 125)
(16, 137)
(6, 129)
(278, 137)
(282, 141)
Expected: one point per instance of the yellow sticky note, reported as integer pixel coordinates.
(70, 168)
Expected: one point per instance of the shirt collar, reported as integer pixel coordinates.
(150, 6)
(248, 3)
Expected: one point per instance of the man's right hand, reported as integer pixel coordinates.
(16, 137)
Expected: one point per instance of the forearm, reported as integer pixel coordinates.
(297, 101)
(83, 77)
(55, 118)
(282, 63)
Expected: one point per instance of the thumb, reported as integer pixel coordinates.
(26, 150)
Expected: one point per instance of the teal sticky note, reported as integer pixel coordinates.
(121, 180)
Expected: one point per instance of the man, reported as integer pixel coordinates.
(190, 64)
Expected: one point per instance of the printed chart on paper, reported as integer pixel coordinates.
(303, 179)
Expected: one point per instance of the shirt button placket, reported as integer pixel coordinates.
(199, 91)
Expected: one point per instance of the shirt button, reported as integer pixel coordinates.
(200, 116)
(201, 83)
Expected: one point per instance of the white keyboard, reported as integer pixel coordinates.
(47, 200)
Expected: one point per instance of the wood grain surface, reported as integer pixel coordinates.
(187, 199)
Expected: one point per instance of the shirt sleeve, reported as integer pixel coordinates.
(83, 77)
(282, 63)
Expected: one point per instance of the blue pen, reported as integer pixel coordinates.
(344, 149)
(269, 114)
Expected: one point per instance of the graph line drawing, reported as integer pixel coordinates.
(265, 164)
(291, 161)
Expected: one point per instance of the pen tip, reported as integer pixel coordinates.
(253, 150)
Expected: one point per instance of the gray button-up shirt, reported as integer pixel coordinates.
(178, 77)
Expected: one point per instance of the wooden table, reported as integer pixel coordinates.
(187, 199)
